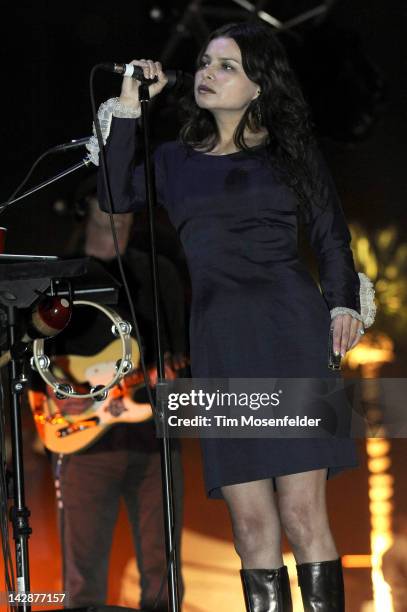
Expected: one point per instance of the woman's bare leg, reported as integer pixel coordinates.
(256, 523)
(304, 517)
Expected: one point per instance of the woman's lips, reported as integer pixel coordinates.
(205, 89)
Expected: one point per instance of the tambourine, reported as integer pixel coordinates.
(120, 328)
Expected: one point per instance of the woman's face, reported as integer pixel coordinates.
(221, 84)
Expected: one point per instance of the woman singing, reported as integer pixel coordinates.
(243, 175)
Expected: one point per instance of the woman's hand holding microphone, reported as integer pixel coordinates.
(130, 87)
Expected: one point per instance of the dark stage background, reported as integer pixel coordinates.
(352, 67)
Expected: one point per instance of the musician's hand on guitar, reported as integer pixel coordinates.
(170, 374)
(176, 361)
(179, 361)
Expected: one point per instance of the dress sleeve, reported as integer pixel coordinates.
(330, 239)
(125, 174)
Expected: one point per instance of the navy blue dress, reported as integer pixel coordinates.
(256, 311)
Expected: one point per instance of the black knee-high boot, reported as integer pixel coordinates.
(267, 590)
(321, 585)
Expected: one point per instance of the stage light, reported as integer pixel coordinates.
(156, 13)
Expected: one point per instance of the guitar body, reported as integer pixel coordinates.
(71, 425)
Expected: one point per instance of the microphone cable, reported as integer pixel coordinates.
(106, 182)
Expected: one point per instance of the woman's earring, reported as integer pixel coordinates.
(258, 112)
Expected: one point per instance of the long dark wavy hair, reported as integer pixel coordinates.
(280, 108)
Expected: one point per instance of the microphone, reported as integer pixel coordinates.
(72, 144)
(176, 78)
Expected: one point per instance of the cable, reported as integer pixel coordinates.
(165, 576)
(106, 181)
(115, 241)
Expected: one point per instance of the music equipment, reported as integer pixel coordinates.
(71, 425)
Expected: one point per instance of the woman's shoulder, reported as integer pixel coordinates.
(173, 152)
(170, 147)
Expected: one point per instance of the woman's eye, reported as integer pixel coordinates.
(204, 63)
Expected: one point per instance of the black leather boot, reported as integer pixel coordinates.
(321, 585)
(267, 590)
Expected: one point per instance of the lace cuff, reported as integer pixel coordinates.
(107, 110)
(367, 304)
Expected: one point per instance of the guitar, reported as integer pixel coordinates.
(73, 424)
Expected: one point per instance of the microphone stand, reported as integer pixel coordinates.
(84, 162)
(19, 515)
(166, 463)
(20, 284)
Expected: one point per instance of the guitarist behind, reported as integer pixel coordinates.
(123, 460)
